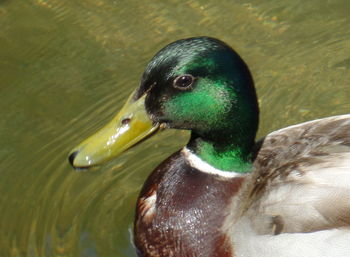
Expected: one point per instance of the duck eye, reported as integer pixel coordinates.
(183, 82)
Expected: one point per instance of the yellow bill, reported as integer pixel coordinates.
(127, 128)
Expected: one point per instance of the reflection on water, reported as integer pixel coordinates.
(67, 66)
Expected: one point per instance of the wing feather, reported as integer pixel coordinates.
(302, 178)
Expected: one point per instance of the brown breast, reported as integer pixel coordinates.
(180, 212)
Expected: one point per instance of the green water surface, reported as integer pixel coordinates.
(67, 66)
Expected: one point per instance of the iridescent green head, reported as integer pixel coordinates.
(203, 85)
(199, 84)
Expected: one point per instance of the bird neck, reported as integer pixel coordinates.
(227, 154)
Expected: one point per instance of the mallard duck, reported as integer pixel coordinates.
(223, 194)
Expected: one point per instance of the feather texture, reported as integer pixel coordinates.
(298, 197)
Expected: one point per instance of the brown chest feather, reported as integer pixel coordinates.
(181, 210)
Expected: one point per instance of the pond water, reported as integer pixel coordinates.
(67, 66)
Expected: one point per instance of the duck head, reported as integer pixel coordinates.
(198, 84)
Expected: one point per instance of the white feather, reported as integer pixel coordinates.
(325, 243)
(203, 166)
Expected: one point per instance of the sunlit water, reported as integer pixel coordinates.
(67, 66)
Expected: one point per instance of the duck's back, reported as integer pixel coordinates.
(298, 203)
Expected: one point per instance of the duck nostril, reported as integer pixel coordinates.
(72, 157)
(126, 121)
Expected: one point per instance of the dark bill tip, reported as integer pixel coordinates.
(72, 157)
